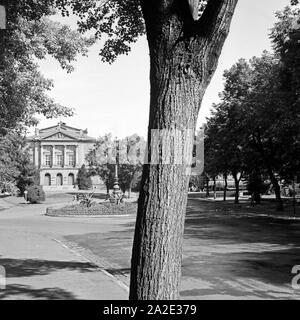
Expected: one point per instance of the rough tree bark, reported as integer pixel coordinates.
(183, 56)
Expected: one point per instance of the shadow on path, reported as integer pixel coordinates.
(14, 291)
(33, 267)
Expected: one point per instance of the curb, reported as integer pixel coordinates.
(99, 267)
(90, 216)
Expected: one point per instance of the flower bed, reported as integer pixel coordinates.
(97, 209)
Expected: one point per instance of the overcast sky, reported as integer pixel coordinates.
(115, 98)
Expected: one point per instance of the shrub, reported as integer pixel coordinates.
(35, 194)
(85, 199)
(105, 208)
(84, 180)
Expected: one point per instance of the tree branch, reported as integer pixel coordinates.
(216, 15)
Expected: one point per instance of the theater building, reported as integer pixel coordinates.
(59, 152)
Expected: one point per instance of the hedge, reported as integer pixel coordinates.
(97, 209)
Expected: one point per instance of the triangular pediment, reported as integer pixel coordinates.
(58, 136)
(61, 132)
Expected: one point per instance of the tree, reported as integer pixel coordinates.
(131, 162)
(9, 152)
(101, 160)
(256, 186)
(224, 144)
(183, 56)
(36, 194)
(197, 181)
(270, 136)
(240, 135)
(28, 175)
(84, 180)
(286, 40)
(130, 153)
(16, 169)
(31, 36)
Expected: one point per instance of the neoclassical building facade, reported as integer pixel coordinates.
(59, 152)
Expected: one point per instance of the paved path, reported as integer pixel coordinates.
(226, 255)
(39, 266)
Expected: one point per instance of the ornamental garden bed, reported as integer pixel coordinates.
(96, 209)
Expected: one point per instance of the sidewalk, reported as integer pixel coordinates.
(244, 208)
(39, 267)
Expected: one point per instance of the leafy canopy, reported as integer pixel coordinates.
(119, 23)
(30, 37)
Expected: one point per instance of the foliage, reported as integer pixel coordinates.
(101, 160)
(35, 194)
(84, 180)
(85, 199)
(16, 169)
(241, 136)
(118, 22)
(116, 198)
(29, 175)
(125, 208)
(197, 182)
(256, 186)
(130, 157)
(30, 37)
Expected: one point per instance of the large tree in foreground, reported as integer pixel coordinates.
(183, 55)
(185, 44)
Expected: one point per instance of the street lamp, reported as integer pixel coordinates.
(26, 196)
(2, 17)
(116, 186)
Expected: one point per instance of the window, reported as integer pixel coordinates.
(59, 159)
(71, 160)
(47, 160)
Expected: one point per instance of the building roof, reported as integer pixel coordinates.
(61, 132)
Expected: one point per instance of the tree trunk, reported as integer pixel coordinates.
(266, 157)
(277, 190)
(237, 188)
(215, 194)
(225, 187)
(207, 186)
(294, 195)
(183, 57)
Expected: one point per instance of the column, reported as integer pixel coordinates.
(76, 162)
(37, 154)
(53, 156)
(40, 155)
(33, 153)
(65, 162)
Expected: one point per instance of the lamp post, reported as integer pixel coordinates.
(116, 186)
(26, 196)
(2, 16)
